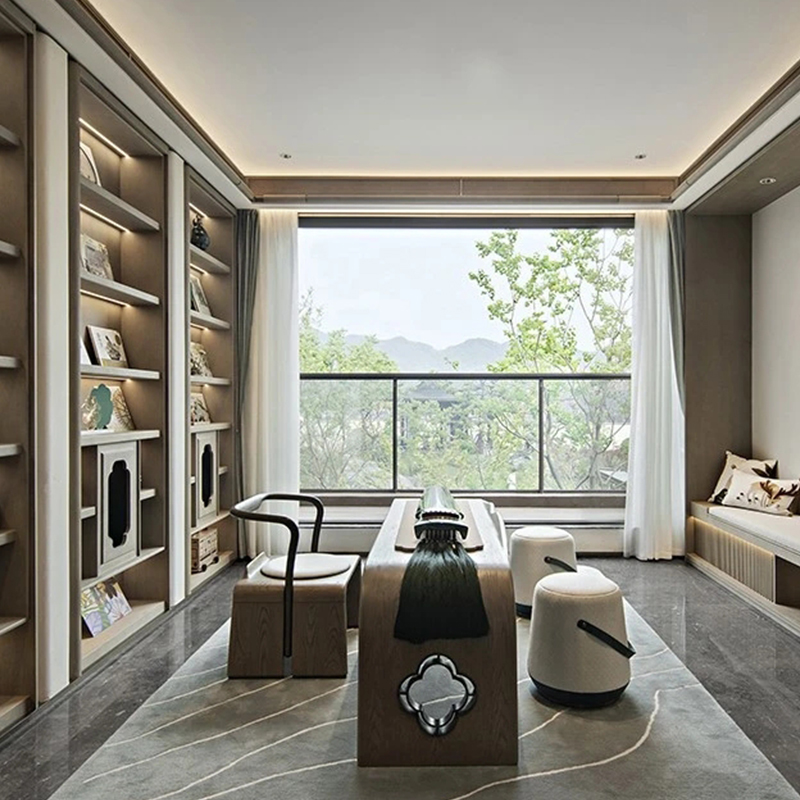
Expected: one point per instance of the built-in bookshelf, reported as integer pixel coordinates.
(119, 281)
(17, 375)
(211, 443)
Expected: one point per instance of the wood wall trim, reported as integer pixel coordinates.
(310, 189)
(775, 97)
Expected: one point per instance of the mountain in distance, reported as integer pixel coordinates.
(472, 355)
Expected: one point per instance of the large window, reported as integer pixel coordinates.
(492, 357)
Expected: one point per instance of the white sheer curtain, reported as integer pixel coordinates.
(271, 424)
(655, 504)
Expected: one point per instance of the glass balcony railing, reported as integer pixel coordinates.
(500, 432)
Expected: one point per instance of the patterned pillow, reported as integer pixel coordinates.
(753, 466)
(761, 494)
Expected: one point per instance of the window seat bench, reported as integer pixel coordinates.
(756, 555)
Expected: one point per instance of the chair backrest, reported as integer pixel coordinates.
(250, 509)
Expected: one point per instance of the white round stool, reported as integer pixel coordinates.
(536, 551)
(578, 653)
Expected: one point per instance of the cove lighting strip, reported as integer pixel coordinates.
(102, 218)
(103, 297)
(197, 210)
(103, 138)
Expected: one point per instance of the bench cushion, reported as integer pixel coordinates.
(782, 531)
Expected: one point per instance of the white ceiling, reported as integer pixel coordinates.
(460, 87)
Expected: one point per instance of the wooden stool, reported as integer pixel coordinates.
(323, 610)
(290, 615)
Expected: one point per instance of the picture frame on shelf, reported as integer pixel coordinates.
(198, 295)
(88, 165)
(198, 409)
(85, 358)
(109, 350)
(95, 259)
(198, 361)
(104, 408)
(102, 605)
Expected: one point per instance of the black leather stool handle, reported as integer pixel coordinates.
(606, 638)
(559, 563)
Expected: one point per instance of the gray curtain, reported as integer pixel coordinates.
(677, 243)
(247, 253)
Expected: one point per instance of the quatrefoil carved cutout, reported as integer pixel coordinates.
(437, 694)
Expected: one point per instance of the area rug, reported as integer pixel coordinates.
(202, 737)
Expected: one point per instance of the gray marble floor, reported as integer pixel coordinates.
(749, 664)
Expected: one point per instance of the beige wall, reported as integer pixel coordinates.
(776, 333)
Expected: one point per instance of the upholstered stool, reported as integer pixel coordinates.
(536, 551)
(578, 653)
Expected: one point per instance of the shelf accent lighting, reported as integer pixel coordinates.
(103, 218)
(197, 210)
(104, 298)
(103, 138)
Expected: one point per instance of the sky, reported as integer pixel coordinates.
(401, 282)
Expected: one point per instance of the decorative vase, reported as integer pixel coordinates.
(200, 237)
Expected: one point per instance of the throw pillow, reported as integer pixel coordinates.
(753, 466)
(761, 494)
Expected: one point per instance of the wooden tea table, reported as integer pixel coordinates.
(388, 735)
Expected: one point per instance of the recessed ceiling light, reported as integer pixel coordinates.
(640, 156)
(768, 181)
(285, 155)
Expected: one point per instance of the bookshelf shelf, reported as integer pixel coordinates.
(9, 362)
(205, 427)
(105, 574)
(221, 517)
(90, 438)
(102, 203)
(116, 292)
(197, 579)
(9, 138)
(13, 709)
(200, 380)
(205, 262)
(211, 323)
(142, 613)
(7, 537)
(8, 624)
(119, 373)
(8, 251)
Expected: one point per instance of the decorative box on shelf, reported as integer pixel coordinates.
(206, 471)
(111, 539)
(205, 550)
